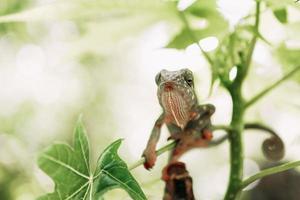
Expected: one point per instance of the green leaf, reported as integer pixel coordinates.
(68, 167)
(253, 30)
(200, 11)
(281, 15)
(276, 4)
(112, 172)
(70, 170)
(181, 41)
(13, 29)
(289, 58)
(88, 10)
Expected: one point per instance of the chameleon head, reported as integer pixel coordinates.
(176, 94)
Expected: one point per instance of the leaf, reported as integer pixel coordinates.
(253, 30)
(68, 167)
(113, 172)
(87, 10)
(181, 41)
(276, 4)
(200, 11)
(289, 58)
(10, 6)
(70, 170)
(281, 15)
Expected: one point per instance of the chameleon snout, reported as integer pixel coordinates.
(168, 86)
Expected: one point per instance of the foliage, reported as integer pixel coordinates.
(200, 12)
(71, 171)
(9, 7)
(289, 58)
(281, 15)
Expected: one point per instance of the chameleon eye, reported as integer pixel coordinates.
(189, 81)
(157, 78)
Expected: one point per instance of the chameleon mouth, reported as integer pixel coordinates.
(176, 107)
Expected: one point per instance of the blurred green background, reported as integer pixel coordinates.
(60, 58)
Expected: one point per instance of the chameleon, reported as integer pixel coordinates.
(188, 122)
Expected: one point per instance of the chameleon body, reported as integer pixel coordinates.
(188, 122)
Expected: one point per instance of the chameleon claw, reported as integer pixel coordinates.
(147, 166)
(150, 159)
(207, 134)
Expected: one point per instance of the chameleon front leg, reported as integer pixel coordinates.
(149, 153)
(201, 120)
(197, 133)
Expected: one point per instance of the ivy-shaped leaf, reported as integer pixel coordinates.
(71, 172)
(113, 172)
(68, 167)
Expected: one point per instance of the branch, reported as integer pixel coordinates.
(160, 151)
(247, 61)
(172, 144)
(269, 171)
(261, 127)
(268, 89)
(221, 127)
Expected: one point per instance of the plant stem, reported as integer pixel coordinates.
(171, 145)
(268, 89)
(253, 40)
(160, 151)
(269, 171)
(221, 127)
(237, 121)
(236, 144)
(261, 127)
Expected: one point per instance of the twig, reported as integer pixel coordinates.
(221, 127)
(268, 89)
(254, 39)
(261, 127)
(269, 171)
(273, 147)
(172, 144)
(160, 151)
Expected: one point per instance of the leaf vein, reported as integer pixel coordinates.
(65, 165)
(84, 156)
(121, 183)
(77, 191)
